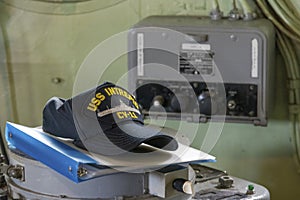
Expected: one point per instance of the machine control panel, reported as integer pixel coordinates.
(240, 99)
(184, 66)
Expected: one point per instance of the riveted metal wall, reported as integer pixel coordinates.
(42, 51)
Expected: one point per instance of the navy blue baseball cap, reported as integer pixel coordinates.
(106, 120)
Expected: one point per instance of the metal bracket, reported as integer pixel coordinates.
(13, 171)
(16, 171)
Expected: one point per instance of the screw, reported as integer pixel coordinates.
(82, 172)
(164, 35)
(140, 82)
(233, 37)
(15, 172)
(56, 80)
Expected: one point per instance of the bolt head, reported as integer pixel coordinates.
(225, 182)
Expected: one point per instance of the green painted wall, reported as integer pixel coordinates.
(41, 48)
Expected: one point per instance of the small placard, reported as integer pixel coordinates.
(140, 54)
(254, 66)
(195, 46)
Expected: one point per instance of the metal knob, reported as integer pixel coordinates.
(182, 185)
(158, 101)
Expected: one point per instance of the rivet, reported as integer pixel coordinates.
(56, 80)
(233, 37)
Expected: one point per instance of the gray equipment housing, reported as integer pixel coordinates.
(224, 68)
(38, 181)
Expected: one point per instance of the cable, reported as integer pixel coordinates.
(287, 10)
(286, 32)
(291, 7)
(278, 25)
(215, 5)
(248, 10)
(234, 6)
(289, 22)
(294, 61)
(282, 49)
(216, 13)
(246, 7)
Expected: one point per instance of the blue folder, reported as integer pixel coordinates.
(51, 152)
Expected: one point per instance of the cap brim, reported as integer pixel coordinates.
(131, 134)
(128, 137)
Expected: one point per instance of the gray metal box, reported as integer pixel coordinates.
(199, 70)
(161, 181)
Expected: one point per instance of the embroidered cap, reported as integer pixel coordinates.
(106, 120)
